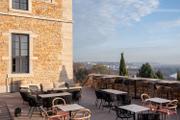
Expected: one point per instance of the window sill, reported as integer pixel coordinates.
(21, 75)
(20, 11)
(48, 1)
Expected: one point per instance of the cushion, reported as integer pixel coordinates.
(59, 84)
(47, 86)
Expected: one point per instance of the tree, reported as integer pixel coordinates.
(81, 74)
(146, 71)
(178, 75)
(100, 69)
(159, 75)
(122, 67)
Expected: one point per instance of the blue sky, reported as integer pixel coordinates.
(145, 30)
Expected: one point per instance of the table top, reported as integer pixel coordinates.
(158, 100)
(112, 91)
(168, 81)
(54, 95)
(70, 88)
(70, 107)
(134, 108)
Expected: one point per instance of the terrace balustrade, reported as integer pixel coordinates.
(168, 89)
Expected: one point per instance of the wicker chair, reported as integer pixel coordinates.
(144, 97)
(170, 109)
(57, 101)
(83, 114)
(51, 115)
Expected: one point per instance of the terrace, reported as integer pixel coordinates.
(88, 97)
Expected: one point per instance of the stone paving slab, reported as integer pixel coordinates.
(14, 100)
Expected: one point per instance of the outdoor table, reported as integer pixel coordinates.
(70, 108)
(65, 88)
(115, 92)
(134, 108)
(54, 95)
(158, 101)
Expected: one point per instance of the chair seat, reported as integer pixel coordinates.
(59, 115)
(62, 113)
(166, 111)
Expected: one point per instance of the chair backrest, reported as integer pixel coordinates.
(173, 104)
(58, 100)
(33, 102)
(76, 95)
(149, 116)
(34, 88)
(144, 96)
(24, 95)
(98, 94)
(126, 99)
(107, 97)
(83, 114)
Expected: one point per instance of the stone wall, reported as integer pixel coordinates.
(50, 30)
(39, 8)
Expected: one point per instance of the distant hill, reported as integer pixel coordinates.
(167, 70)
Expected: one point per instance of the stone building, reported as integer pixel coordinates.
(35, 42)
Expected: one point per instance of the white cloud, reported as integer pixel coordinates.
(168, 10)
(106, 15)
(170, 24)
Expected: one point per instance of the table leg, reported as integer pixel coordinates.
(70, 115)
(134, 116)
(135, 90)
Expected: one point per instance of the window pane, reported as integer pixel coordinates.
(20, 4)
(24, 6)
(25, 64)
(15, 45)
(24, 1)
(15, 5)
(20, 53)
(17, 1)
(15, 65)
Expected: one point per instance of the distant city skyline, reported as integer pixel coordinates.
(145, 30)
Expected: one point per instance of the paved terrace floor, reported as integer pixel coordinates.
(88, 98)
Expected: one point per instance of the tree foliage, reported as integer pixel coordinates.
(100, 69)
(146, 71)
(122, 67)
(159, 75)
(178, 75)
(81, 74)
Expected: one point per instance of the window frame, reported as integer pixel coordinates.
(20, 71)
(29, 10)
(32, 58)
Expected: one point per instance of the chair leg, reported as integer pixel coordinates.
(32, 110)
(96, 102)
(117, 118)
(100, 104)
(29, 111)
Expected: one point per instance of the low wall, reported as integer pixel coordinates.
(168, 89)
